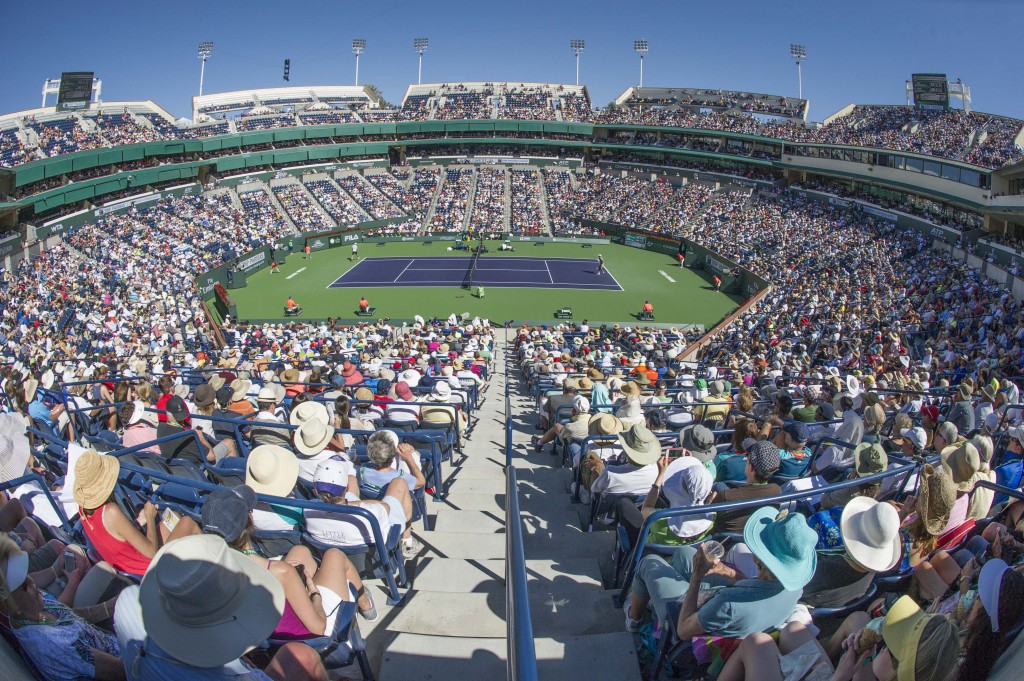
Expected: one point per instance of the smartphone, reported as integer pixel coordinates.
(69, 562)
(675, 452)
(301, 569)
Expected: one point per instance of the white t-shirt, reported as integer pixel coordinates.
(341, 529)
(626, 479)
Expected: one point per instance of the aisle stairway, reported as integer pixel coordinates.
(451, 624)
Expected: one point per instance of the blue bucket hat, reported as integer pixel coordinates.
(784, 545)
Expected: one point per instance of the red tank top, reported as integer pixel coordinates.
(120, 554)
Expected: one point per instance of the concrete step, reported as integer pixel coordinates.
(601, 656)
(455, 545)
(568, 544)
(470, 522)
(483, 471)
(436, 613)
(493, 503)
(440, 658)
(491, 484)
(574, 613)
(486, 576)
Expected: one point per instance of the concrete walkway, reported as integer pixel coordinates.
(451, 624)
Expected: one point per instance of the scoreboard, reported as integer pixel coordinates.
(75, 90)
(931, 90)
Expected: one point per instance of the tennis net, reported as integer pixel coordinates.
(473, 264)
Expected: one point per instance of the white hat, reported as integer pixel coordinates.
(442, 392)
(267, 394)
(139, 413)
(15, 570)
(311, 437)
(581, 404)
(410, 376)
(271, 470)
(205, 604)
(916, 435)
(307, 411)
(871, 533)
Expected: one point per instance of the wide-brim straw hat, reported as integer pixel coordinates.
(271, 470)
(307, 411)
(311, 437)
(936, 496)
(95, 478)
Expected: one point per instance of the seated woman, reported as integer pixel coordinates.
(730, 466)
(58, 639)
(313, 592)
(114, 536)
(389, 460)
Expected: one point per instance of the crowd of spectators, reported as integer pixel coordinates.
(488, 213)
(526, 202)
(304, 213)
(264, 122)
(338, 204)
(452, 202)
(371, 199)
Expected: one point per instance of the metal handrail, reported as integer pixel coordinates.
(522, 653)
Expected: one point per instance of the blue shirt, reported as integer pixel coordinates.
(39, 412)
(746, 607)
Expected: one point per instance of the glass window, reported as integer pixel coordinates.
(970, 177)
(931, 168)
(950, 173)
(915, 164)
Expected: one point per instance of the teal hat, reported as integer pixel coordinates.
(784, 544)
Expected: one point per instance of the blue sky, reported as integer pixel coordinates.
(858, 51)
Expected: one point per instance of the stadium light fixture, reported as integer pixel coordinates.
(799, 54)
(358, 47)
(640, 47)
(577, 45)
(204, 52)
(420, 45)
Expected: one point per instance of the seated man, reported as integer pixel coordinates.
(364, 304)
(783, 550)
(648, 310)
(634, 475)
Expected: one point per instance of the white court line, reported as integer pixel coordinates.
(614, 279)
(301, 269)
(403, 271)
(552, 279)
(502, 284)
(662, 273)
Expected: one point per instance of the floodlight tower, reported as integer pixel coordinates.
(420, 45)
(640, 47)
(577, 45)
(799, 54)
(358, 47)
(205, 50)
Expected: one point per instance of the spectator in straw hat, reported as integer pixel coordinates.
(200, 609)
(936, 496)
(113, 535)
(273, 471)
(961, 414)
(634, 474)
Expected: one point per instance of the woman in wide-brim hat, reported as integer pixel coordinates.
(113, 535)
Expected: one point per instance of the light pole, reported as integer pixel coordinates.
(799, 54)
(358, 47)
(420, 45)
(577, 46)
(640, 47)
(205, 50)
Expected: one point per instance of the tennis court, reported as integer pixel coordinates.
(494, 271)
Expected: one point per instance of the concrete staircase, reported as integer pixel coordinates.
(451, 623)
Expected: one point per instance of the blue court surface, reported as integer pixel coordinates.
(494, 271)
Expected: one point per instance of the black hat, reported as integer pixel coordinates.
(226, 511)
